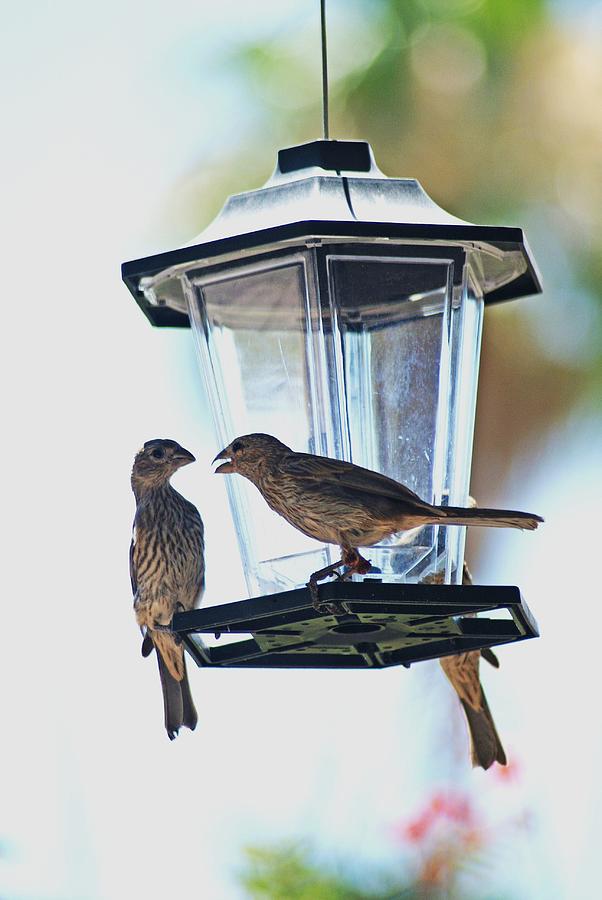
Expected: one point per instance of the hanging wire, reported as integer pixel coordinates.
(324, 70)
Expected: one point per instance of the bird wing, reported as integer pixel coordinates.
(346, 474)
(133, 577)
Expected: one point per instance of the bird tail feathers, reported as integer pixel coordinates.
(485, 745)
(178, 705)
(494, 518)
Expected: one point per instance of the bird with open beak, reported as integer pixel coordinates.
(337, 502)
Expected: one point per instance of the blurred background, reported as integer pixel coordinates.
(126, 124)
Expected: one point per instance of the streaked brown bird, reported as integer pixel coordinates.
(462, 671)
(340, 503)
(167, 568)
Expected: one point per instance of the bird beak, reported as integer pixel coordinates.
(183, 457)
(225, 467)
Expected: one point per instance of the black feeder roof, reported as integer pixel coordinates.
(376, 625)
(325, 191)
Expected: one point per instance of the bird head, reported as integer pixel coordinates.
(156, 462)
(247, 454)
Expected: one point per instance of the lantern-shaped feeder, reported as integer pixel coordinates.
(341, 311)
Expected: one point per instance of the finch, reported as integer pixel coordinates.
(167, 569)
(462, 671)
(337, 502)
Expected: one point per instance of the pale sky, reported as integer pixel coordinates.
(106, 108)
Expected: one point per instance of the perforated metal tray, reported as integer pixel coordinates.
(376, 625)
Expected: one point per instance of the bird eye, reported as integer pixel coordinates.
(236, 446)
(158, 453)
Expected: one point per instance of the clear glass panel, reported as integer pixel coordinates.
(256, 352)
(397, 328)
(467, 322)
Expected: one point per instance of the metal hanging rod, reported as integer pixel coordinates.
(324, 70)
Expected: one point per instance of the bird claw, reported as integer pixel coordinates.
(315, 596)
(324, 607)
(353, 561)
(331, 608)
(319, 606)
(167, 629)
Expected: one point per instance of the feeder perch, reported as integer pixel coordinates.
(379, 625)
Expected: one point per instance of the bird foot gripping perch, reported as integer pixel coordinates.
(168, 627)
(169, 630)
(312, 584)
(356, 564)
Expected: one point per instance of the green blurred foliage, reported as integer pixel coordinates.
(288, 872)
(292, 872)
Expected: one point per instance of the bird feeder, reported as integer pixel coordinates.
(341, 311)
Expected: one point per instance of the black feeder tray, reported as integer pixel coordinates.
(375, 625)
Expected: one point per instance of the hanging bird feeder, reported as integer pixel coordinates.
(341, 311)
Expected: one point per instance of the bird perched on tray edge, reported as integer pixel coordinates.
(462, 671)
(167, 569)
(337, 502)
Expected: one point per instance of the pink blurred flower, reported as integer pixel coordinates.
(449, 829)
(453, 806)
(443, 806)
(416, 829)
